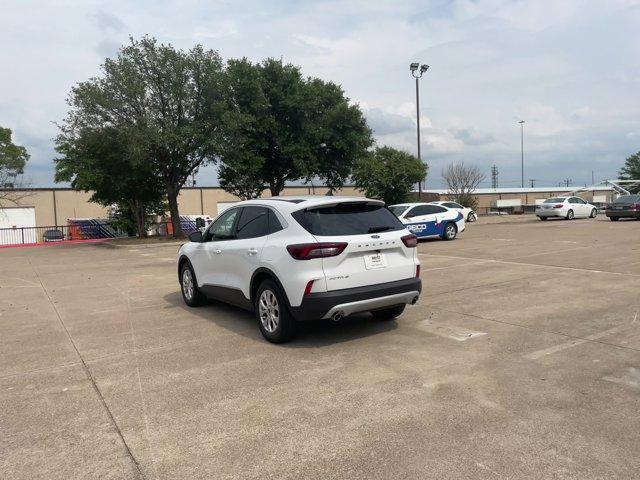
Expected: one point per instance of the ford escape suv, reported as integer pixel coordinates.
(292, 259)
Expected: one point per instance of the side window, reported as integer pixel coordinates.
(222, 228)
(274, 223)
(580, 201)
(254, 222)
(452, 205)
(421, 210)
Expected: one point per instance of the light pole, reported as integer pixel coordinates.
(416, 72)
(521, 122)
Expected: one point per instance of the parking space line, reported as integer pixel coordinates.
(571, 343)
(508, 262)
(452, 332)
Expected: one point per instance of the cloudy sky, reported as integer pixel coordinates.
(569, 68)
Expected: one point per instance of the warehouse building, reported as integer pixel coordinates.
(525, 199)
(48, 207)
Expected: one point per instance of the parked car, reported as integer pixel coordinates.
(468, 213)
(566, 207)
(429, 220)
(626, 206)
(303, 258)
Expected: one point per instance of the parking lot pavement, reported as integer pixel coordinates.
(521, 360)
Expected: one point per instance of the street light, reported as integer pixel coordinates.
(521, 122)
(416, 72)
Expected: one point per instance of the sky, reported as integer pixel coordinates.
(570, 69)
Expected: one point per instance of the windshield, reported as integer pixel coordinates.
(555, 200)
(398, 210)
(628, 199)
(347, 219)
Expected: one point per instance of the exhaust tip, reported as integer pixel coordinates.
(415, 300)
(336, 317)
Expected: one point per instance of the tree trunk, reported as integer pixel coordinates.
(140, 218)
(172, 197)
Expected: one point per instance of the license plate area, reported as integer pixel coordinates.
(374, 261)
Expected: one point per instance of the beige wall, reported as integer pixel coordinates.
(72, 204)
(55, 206)
(487, 200)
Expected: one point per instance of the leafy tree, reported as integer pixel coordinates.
(166, 102)
(388, 174)
(107, 162)
(13, 159)
(281, 127)
(631, 168)
(462, 181)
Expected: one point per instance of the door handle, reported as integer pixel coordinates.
(252, 251)
(217, 251)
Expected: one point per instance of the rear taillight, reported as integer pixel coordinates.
(635, 206)
(307, 251)
(559, 205)
(417, 271)
(410, 241)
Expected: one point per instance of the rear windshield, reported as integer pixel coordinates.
(397, 210)
(555, 200)
(347, 219)
(628, 199)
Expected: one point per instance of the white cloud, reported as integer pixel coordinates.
(567, 67)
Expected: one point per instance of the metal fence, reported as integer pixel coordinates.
(56, 233)
(88, 230)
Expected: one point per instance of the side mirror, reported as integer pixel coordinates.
(196, 237)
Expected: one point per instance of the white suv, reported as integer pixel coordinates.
(303, 258)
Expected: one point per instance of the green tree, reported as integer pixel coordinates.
(108, 162)
(13, 159)
(631, 168)
(388, 174)
(167, 102)
(281, 127)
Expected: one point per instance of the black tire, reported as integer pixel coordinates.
(472, 217)
(570, 215)
(388, 313)
(192, 296)
(543, 218)
(594, 213)
(614, 219)
(450, 231)
(274, 320)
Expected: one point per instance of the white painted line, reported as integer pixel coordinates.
(630, 378)
(452, 332)
(540, 265)
(571, 343)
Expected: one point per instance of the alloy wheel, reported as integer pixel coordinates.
(269, 310)
(187, 284)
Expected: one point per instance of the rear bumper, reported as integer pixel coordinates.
(361, 299)
(622, 213)
(550, 213)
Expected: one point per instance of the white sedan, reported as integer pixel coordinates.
(468, 213)
(429, 220)
(566, 207)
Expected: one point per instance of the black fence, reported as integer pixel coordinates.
(85, 230)
(57, 233)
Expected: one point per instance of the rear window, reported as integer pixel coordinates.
(397, 210)
(347, 219)
(555, 200)
(627, 199)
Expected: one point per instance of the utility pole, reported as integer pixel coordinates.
(494, 176)
(592, 178)
(521, 122)
(414, 67)
(533, 182)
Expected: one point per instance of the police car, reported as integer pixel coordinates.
(429, 220)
